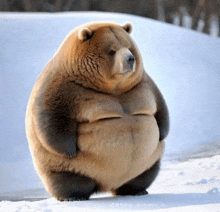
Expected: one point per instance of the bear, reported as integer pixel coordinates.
(95, 120)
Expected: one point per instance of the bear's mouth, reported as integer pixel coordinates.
(128, 68)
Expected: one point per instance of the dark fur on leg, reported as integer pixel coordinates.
(67, 186)
(138, 185)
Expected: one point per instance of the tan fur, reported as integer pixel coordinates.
(118, 135)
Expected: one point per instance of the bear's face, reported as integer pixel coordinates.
(103, 56)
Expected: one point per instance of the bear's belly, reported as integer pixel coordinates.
(118, 149)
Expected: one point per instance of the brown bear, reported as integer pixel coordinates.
(95, 120)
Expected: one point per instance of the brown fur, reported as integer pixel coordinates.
(85, 117)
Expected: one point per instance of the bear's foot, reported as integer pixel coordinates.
(75, 198)
(68, 186)
(129, 190)
(140, 193)
(138, 185)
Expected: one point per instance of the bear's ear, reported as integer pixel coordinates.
(84, 34)
(127, 27)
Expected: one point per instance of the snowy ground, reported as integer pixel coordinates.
(193, 185)
(186, 67)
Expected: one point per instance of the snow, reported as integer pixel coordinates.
(192, 185)
(184, 64)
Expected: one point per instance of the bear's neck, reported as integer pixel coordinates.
(111, 86)
(120, 86)
(116, 85)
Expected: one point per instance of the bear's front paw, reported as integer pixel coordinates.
(71, 154)
(71, 148)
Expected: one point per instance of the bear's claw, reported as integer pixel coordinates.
(73, 199)
(70, 154)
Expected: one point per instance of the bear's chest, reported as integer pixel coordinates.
(135, 102)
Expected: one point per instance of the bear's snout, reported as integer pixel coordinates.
(125, 61)
(130, 59)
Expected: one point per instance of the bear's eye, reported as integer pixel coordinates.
(112, 52)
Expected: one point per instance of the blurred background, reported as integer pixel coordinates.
(200, 15)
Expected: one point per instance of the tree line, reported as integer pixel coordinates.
(165, 10)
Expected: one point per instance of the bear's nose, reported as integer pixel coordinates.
(130, 60)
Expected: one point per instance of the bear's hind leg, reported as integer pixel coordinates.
(138, 185)
(68, 186)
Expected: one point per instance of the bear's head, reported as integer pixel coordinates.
(102, 56)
